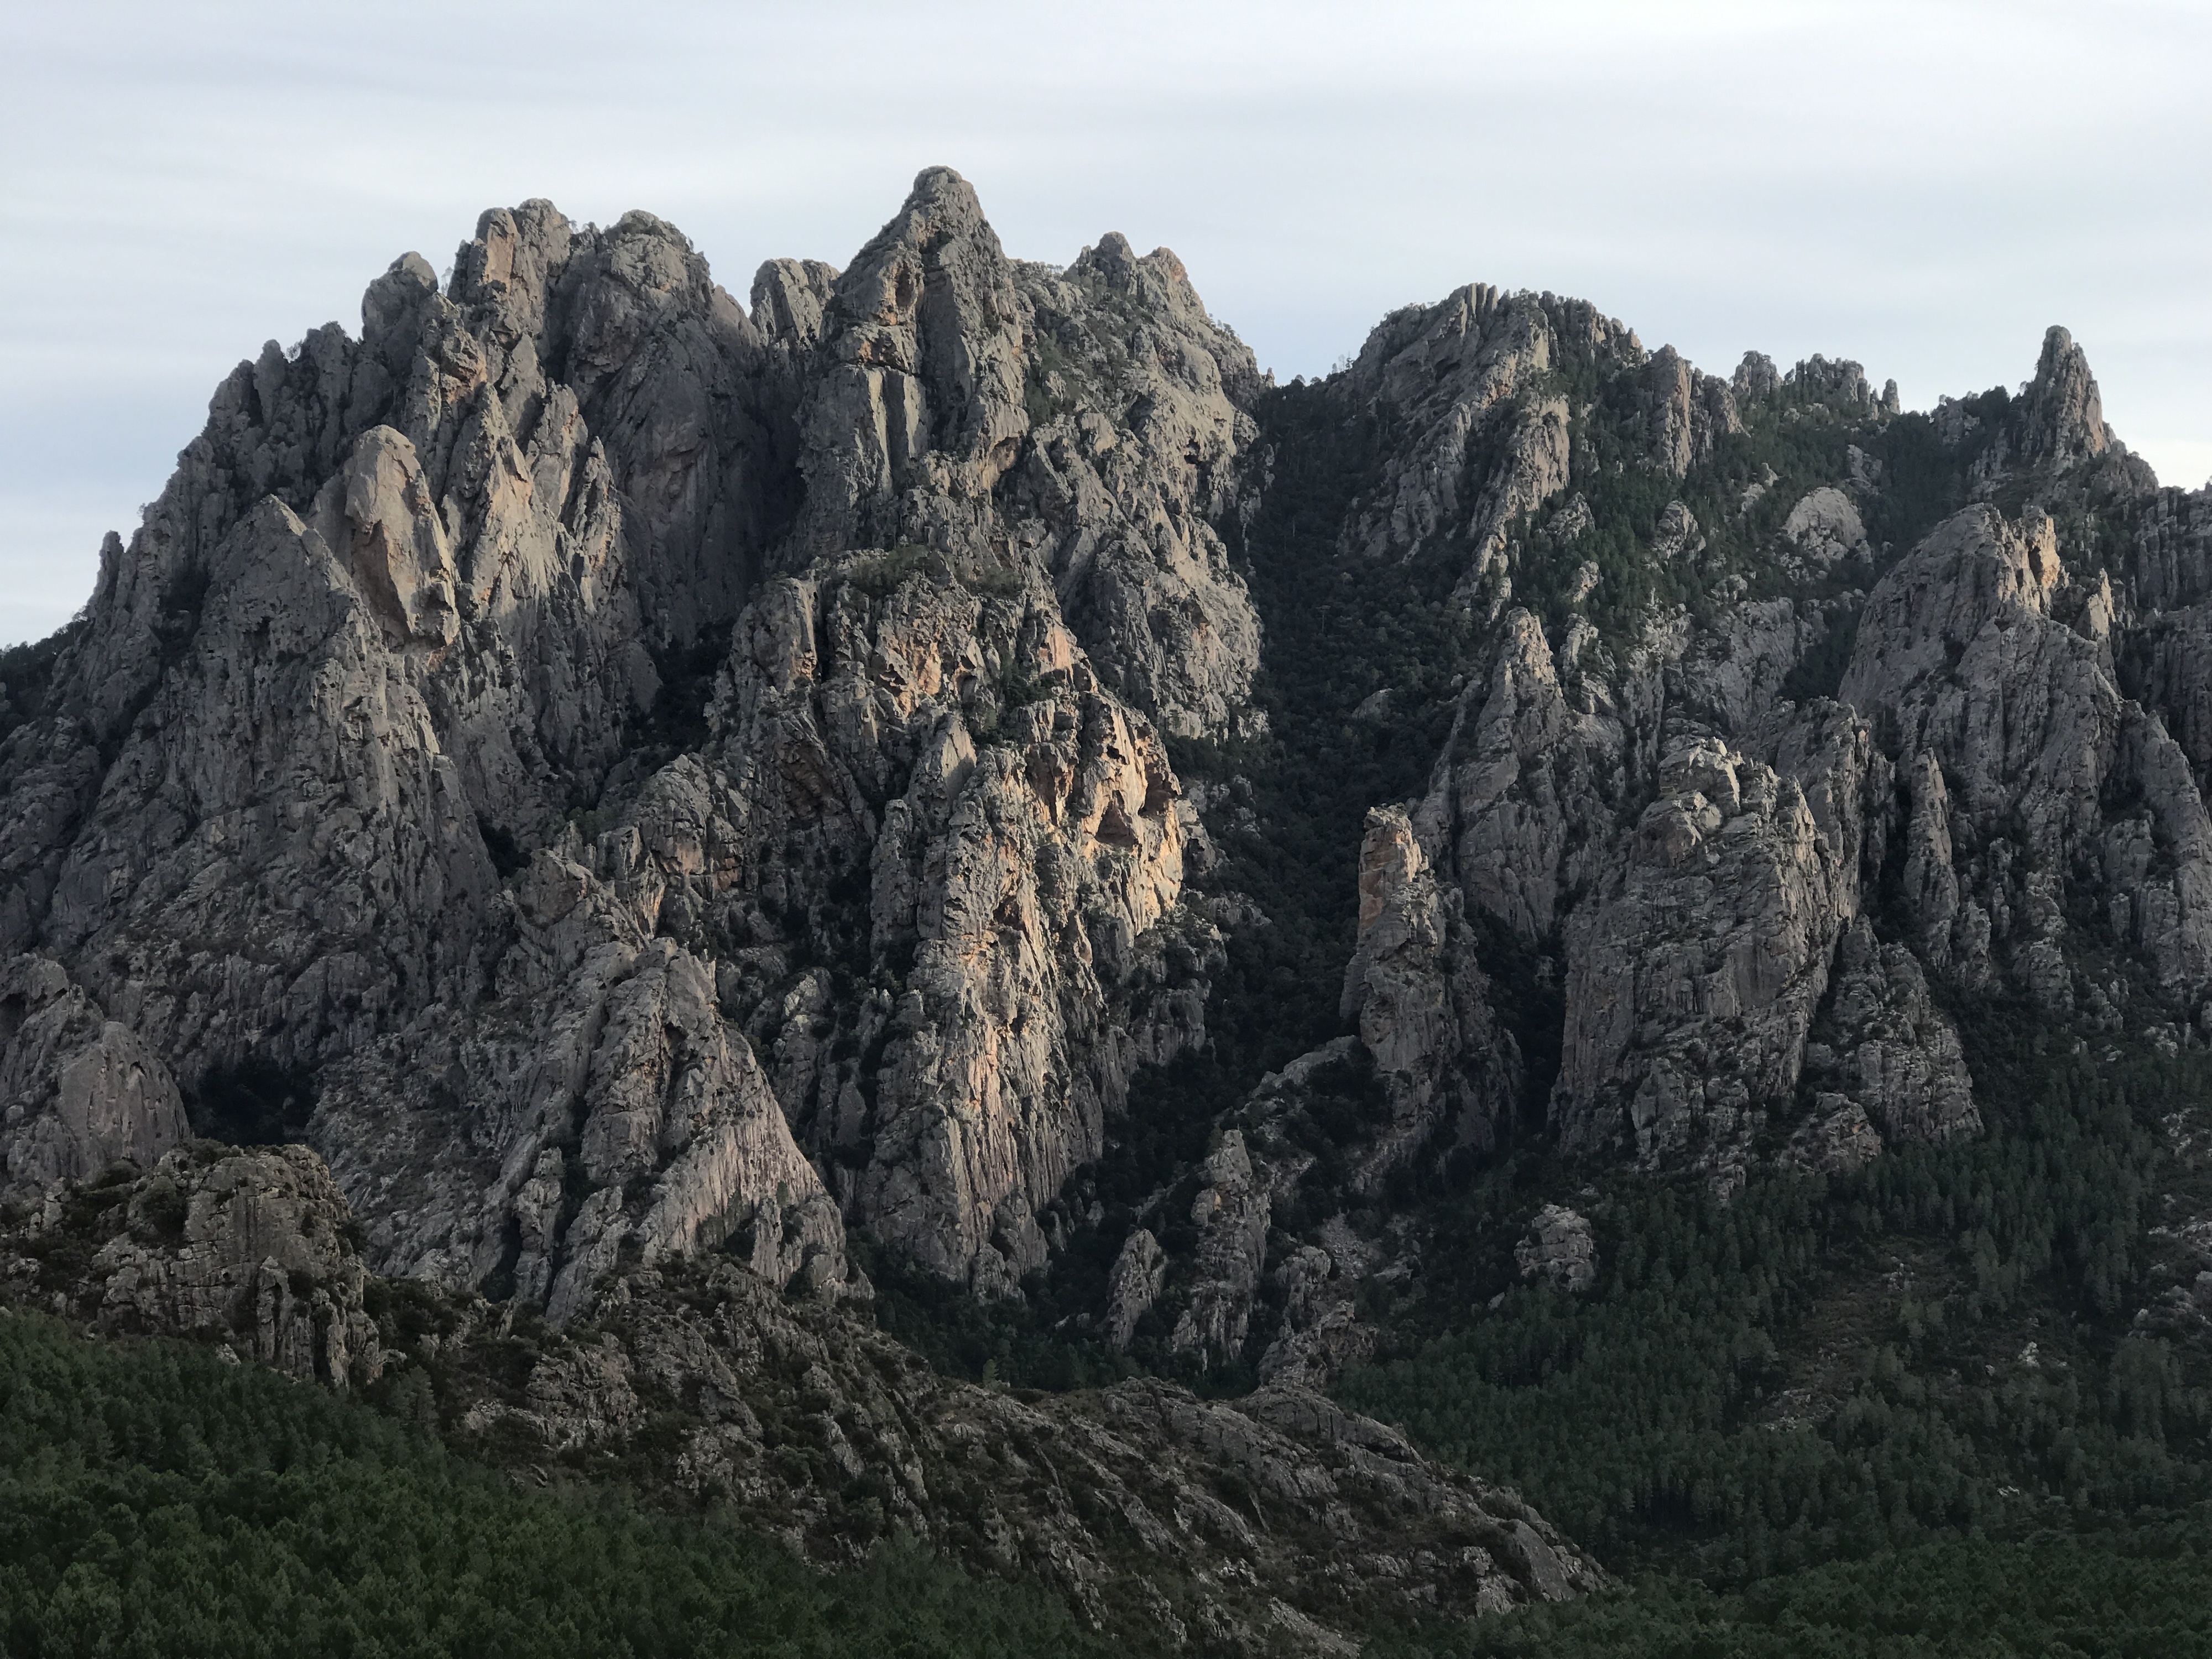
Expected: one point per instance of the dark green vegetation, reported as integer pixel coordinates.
(1668, 1416)
(1022, 1345)
(2056, 1596)
(154, 1501)
(256, 1103)
(1842, 1372)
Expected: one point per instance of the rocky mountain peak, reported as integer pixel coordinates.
(923, 376)
(2062, 414)
(790, 298)
(1755, 376)
(658, 793)
(1690, 411)
(516, 260)
(1113, 258)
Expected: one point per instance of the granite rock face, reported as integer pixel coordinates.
(255, 1250)
(1558, 1249)
(2012, 747)
(1002, 863)
(644, 784)
(1986, 729)
(395, 612)
(1134, 1285)
(2063, 420)
(2038, 723)
(1885, 1065)
(1231, 1214)
(1982, 652)
(601, 1062)
(81, 1091)
(1537, 763)
(1421, 1002)
(1825, 526)
(1691, 412)
(377, 766)
(659, 776)
(1078, 420)
(1487, 439)
(1126, 526)
(1694, 973)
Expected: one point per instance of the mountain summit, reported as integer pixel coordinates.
(941, 794)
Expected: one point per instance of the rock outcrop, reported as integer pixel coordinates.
(1885, 1065)
(255, 1250)
(1689, 412)
(1139, 429)
(1558, 1249)
(1417, 994)
(1080, 420)
(1488, 444)
(1535, 766)
(381, 631)
(1825, 526)
(81, 1091)
(1982, 652)
(1693, 976)
(2062, 419)
(1000, 865)
(2030, 739)
(1279, 1523)
(1231, 1212)
(378, 764)
(1133, 1285)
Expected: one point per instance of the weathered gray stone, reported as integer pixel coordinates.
(254, 1250)
(1422, 1004)
(1693, 976)
(1231, 1212)
(1689, 412)
(1133, 1285)
(2062, 419)
(1962, 654)
(80, 1091)
(1559, 1248)
(1881, 1044)
(1453, 370)
(393, 624)
(1825, 526)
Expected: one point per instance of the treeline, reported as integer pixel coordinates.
(154, 1502)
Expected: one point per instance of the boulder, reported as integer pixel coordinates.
(1559, 1248)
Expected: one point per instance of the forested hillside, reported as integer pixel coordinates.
(155, 1501)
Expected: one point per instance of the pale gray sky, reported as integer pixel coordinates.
(1922, 187)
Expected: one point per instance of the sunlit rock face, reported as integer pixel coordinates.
(495, 713)
(628, 774)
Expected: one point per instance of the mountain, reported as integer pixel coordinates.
(940, 812)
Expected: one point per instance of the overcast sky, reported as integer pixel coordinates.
(1922, 187)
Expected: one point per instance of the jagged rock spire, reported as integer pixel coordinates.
(2062, 419)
